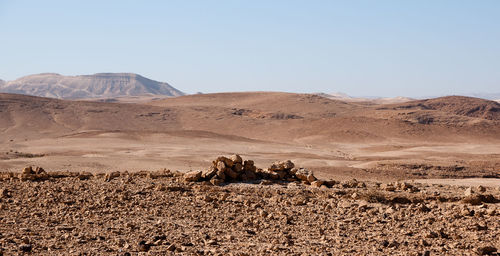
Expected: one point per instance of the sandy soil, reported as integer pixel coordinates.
(119, 151)
(453, 142)
(160, 214)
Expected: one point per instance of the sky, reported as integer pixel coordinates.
(362, 48)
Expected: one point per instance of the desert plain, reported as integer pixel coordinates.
(418, 177)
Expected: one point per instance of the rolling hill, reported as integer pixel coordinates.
(313, 130)
(102, 85)
(270, 116)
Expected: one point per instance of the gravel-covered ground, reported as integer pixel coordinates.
(159, 213)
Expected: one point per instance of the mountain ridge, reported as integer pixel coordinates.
(99, 85)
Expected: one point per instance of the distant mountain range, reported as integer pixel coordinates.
(122, 85)
(378, 100)
(101, 85)
(381, 100)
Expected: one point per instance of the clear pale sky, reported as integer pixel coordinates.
(362, 48)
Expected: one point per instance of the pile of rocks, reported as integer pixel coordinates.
(234, 169)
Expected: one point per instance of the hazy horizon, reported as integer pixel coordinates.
(383, 48)
(486, 95)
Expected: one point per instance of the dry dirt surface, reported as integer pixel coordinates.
(160, 213)
(99, 196)
(448, 137)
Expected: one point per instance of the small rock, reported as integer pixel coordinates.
(317, 183)
(39, 170)
(305, 175)
(111, 176)
(468, 191)
(192, 176)
(481, 189)
(226, 161)
(143, 246)
(25, 248)
(266, 182)
(208, 174)
(229, 172)
(486, 250)
(237, 167)
(390, 210)
(217, 182)
(210, 242)
(388, 187)
(28, 170)
(236, 159)
(282, 166)
(432, 234)
(171, 247)
(5, 193)
(329, 183)
(477, 199)
(491, 212)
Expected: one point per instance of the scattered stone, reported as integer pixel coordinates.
(329, 183)
(486, 250)
(282, 166)
(84, 175)
(354, 195)
(481, 189)
(171, 248)
(217, 182)
(28, 174)
(110, 176)
(70, 216)
(192, 176)
(266, 182)
(4, 193)
(236, 159)
(143, 246)
(28, 170)
(25, 247)
(468, 191)
(388, 187)
(477, 199)
(317, 183)
(305, 175)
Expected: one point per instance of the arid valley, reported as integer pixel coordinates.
(418, 177)
(241, 128)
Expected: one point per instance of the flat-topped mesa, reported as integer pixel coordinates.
(234, 169)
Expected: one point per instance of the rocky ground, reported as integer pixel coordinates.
(163, 212)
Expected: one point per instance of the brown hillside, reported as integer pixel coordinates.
(458, 105)
(183, 132)
(282, 117)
